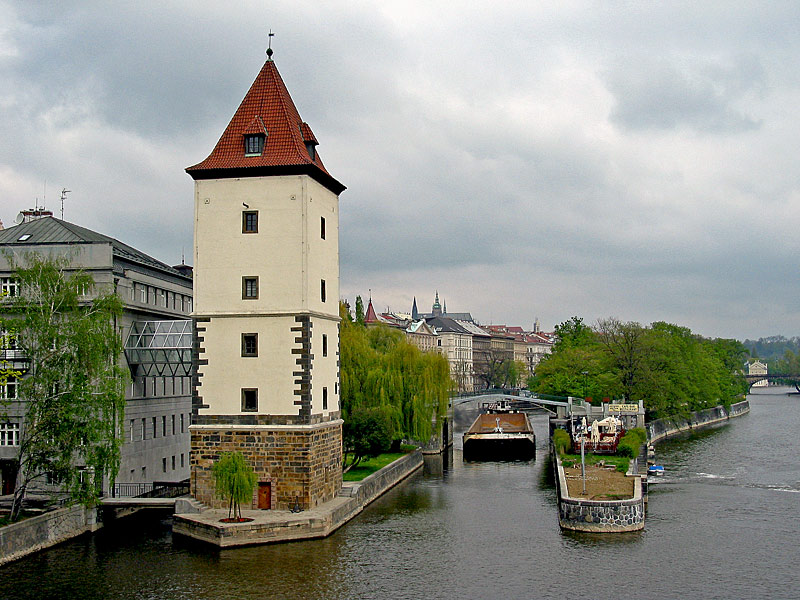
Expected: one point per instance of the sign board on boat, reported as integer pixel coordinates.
(624, 408)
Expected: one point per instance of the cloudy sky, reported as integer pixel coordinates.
(525, 159)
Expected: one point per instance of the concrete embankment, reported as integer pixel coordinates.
(660, 429)
(45, 530)
(598, 516)
(268, 526)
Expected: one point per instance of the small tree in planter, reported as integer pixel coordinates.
(235, 482)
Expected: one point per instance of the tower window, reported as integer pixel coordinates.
(322, 227)
(324, 345)
(249, 399)
(322, 292)
(249, 288)
(249, 221)
(324, 398)
(254, 144)
(249, 344)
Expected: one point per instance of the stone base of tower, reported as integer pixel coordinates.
(295, 464)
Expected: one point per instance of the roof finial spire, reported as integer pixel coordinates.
(269, 46)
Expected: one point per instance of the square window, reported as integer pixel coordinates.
(249, 399)
(250, 221)
(254, 144)
(249, 344)
(249, 288)
(322, 227)
(324, 344)
(322, 292)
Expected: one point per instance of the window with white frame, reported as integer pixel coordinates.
(9, 287)
(9, 434)
(9, 390)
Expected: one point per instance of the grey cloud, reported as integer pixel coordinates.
(664, 94)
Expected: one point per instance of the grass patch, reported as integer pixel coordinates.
(620, 462)
(6, 520)
(369, 466)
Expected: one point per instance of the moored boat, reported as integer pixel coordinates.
(500, 434)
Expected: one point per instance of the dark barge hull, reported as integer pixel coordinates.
(503, 449)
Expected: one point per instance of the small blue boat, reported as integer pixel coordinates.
(655, 470)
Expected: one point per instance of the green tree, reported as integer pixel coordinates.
(234, 480)
(667, 366)
(367, 432)
(72, 394)
(359, 311)
(379, 368)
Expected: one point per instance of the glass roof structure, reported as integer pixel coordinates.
(160, 348)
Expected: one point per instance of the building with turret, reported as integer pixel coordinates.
(266, 314)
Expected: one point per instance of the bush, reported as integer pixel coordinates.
(561, 441)
(639, 433)
(631, 442)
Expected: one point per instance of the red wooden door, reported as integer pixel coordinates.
(264, 495)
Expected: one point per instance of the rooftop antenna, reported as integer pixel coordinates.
(64, 192)
(269, 46)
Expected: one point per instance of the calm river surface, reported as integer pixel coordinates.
(723, 523)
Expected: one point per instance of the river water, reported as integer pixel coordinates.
(722, 523)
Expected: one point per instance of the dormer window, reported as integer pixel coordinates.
(254, 144)
(312, 150)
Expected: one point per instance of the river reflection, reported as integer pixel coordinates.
(717, 526)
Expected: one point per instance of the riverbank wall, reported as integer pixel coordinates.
(45, 530)
(270, 526)
(598, 516)
(660, 429)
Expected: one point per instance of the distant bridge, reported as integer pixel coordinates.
(563, 408)
(794, 379)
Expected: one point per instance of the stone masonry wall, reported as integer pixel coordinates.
(303, 464)
(662, 428)
(43, 531)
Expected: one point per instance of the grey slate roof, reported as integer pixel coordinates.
(447, 325)
(49, 230)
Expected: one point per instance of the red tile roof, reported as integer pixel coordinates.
(370, 317)
(267, 108)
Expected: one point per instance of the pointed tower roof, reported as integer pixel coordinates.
(414, 311)
(289, 145)
(370, 317)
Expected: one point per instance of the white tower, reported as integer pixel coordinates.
(266, 301)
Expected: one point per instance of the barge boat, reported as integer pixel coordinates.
(500, 434)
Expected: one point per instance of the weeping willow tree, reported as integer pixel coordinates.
(235, 481)
(380, 369)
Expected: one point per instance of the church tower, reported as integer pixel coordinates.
(266, 305)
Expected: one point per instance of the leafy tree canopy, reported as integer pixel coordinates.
(380, 369)
(72, 392)
(235, 481)
(667, 366)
